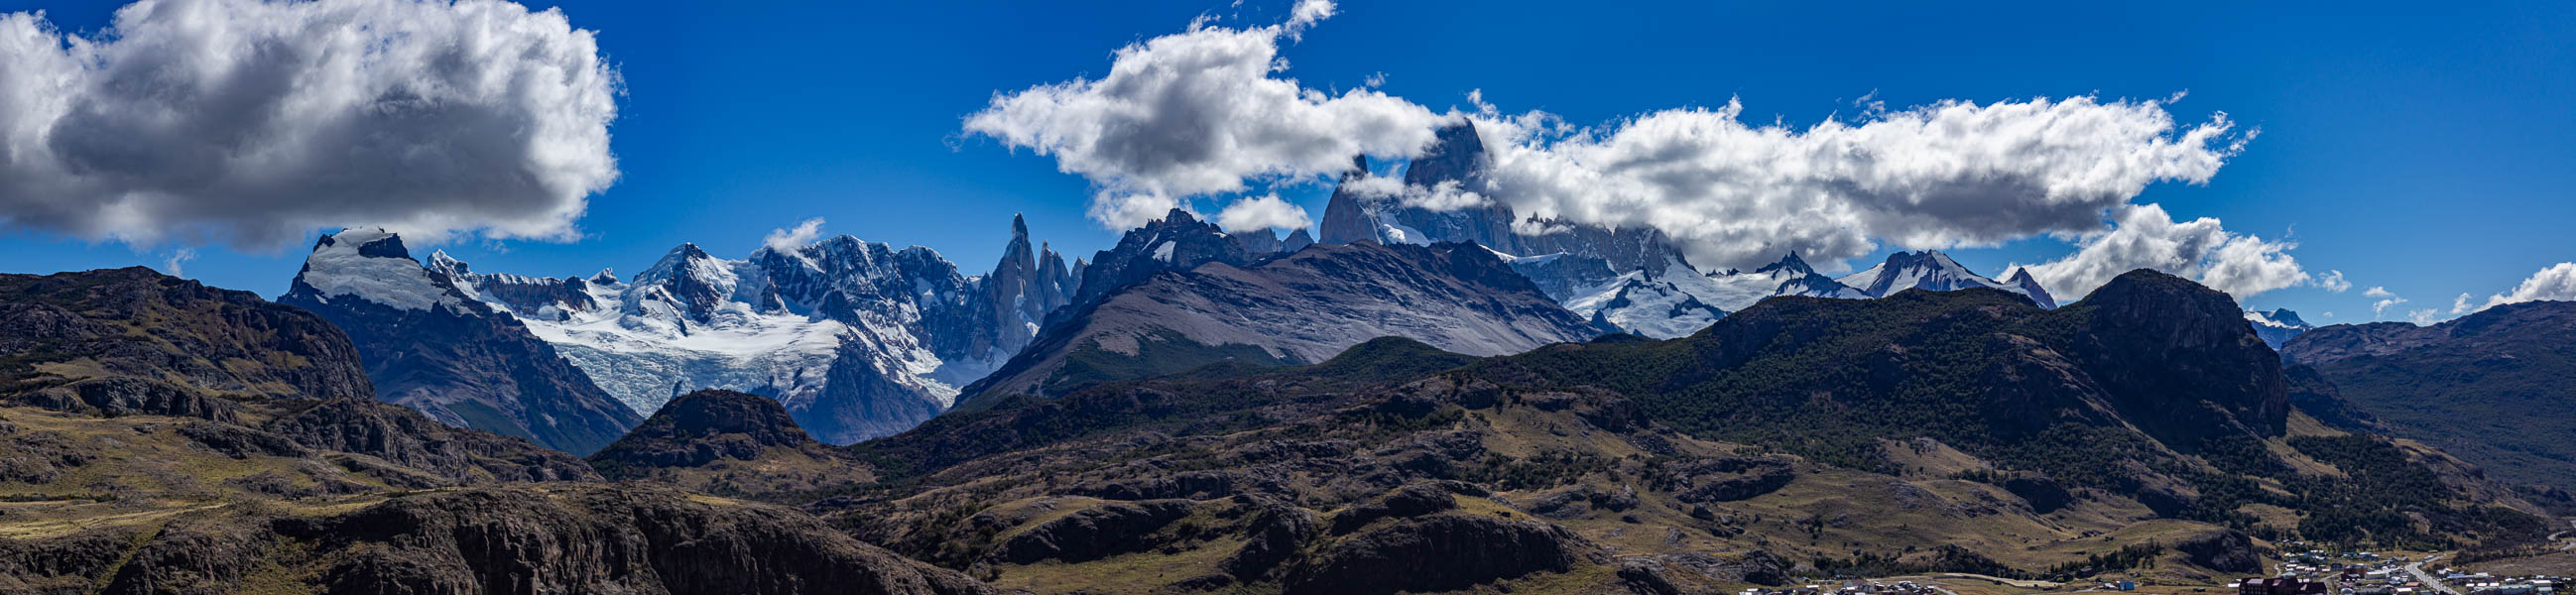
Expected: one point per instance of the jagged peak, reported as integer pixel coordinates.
(1177, 218)
(449, 265)
(1019, 227)
(605, 276)
(374, 242)
(1790, 264)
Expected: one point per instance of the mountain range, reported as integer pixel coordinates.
(2492, 387)
(2145, 430)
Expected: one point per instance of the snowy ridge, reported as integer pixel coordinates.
(2278, 326)
(372, 265)
(857, 339)
(1931, 270)
(1675, 301)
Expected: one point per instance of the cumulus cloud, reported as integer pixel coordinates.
(1950, 174)
(1212, 110)
(2333, 282)
(2379, 309)
(2424, 317)
(175, 266)
(1262, 212)
(1308, 12)
(2557, 283)
(2460, 305)
(1200, 112)
(250, 122)
(2143, 236)
(1448, 195)
(789, 239)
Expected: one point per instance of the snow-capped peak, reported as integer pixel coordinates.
(1930, 270)
(1791, 264)
(372, 265)
(2278, 318)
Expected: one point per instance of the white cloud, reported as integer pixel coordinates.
(2460, 305)
(1210, 110)
(2143, 236)
(2379, 309)
(1262, 212)
(1196, 113)
(2424, 317)
(787, 240)
(175, 266)
(2557, 282)
(1308, 12)
(1950, 174)
(251, 122)
(2334, 282)
(2329, 314)
(1448, 195)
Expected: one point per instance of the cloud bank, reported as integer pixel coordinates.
(2143, 236)
(1197, 113)
(2557, 282)
(1210, 110)
(788, 240)
(1262, 212)
(251, 122)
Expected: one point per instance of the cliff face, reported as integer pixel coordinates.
(429, 346)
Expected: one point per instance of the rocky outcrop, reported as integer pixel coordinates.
(1092, 533)
(1439, 553)
(728, 443)
(147, 336)
(2044, 494)
(703, 427)
(562, 539)
(1726, 479)
(2178, 360)
(113, 397)
(402, 437)
(2227, 550)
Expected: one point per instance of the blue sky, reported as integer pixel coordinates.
(2424, 149)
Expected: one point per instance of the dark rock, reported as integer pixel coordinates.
(1092, 533)
(593, 539)
(2045, 495)
(1438, 553)
(703, 427)
(1727, 479)
(240, 442)
(1277, 531)
(200, 339)
(1409, 501)
(113, 397)
(2226, 550)
(401, 436)
(39, 457)
(1192, 485)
